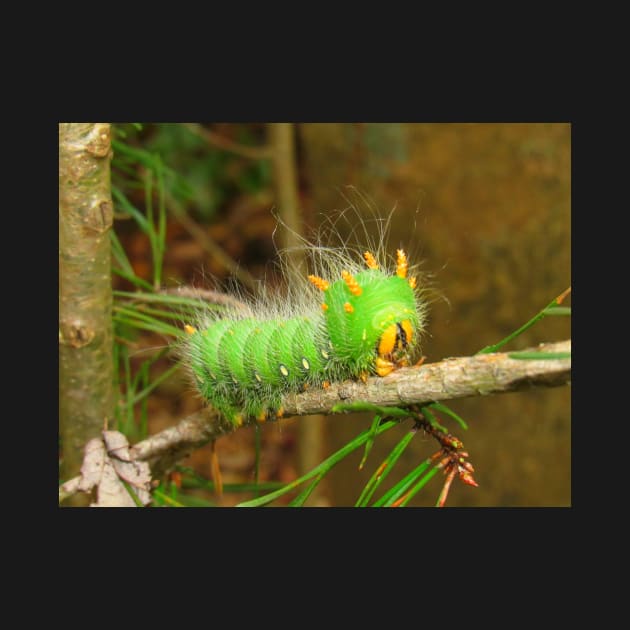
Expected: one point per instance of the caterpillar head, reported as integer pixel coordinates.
(373, 319)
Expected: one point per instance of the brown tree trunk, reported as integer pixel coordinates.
(282, 141)
(85, 294)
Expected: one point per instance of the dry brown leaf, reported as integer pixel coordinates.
(106, 465)
(137, 474)
(111, 492)
(93, 462)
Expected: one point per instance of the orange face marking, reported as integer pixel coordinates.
(388, 341)
(370, 261)
(401, 266)
(320, 283)
(352, 283)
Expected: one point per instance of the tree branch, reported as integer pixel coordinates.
(460, 377)
(449, 379)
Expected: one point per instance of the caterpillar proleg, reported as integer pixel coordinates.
(355, 312)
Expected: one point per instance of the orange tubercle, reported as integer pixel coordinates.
(370, 261)
(324, 306)
(352, 283)
(348, 307)
(190, 330)
(401, 263)
(412, 282)
(320, 283)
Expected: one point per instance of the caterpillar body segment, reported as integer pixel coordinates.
(358, 319)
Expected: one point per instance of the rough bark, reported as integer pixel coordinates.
(85, 293)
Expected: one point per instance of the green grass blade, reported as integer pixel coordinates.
(163, 497)
(421, 483)
(157, 381)
(153, 240)
(130, 209)
(301, 498)
(380, 474)
(120, 255)
(324, 466)
(549, 309)
(152, 322)
(559, 310)
(232, 487)
(165, 298)
(142, 325)
(395, 492)
(128, 419)
(449, 412)
(432, 419)
(139, 282)
(368, 445)
(132, 493)
(185, 313)
(393, 412)
(161, 226)
(191, 501)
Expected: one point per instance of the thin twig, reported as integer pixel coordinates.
(200, 235)
(448, 379)
(217, 140)
(206, 295)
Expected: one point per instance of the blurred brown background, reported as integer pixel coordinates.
(487, 209)
(494, 227)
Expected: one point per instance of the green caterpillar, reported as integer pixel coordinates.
(369, 322)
